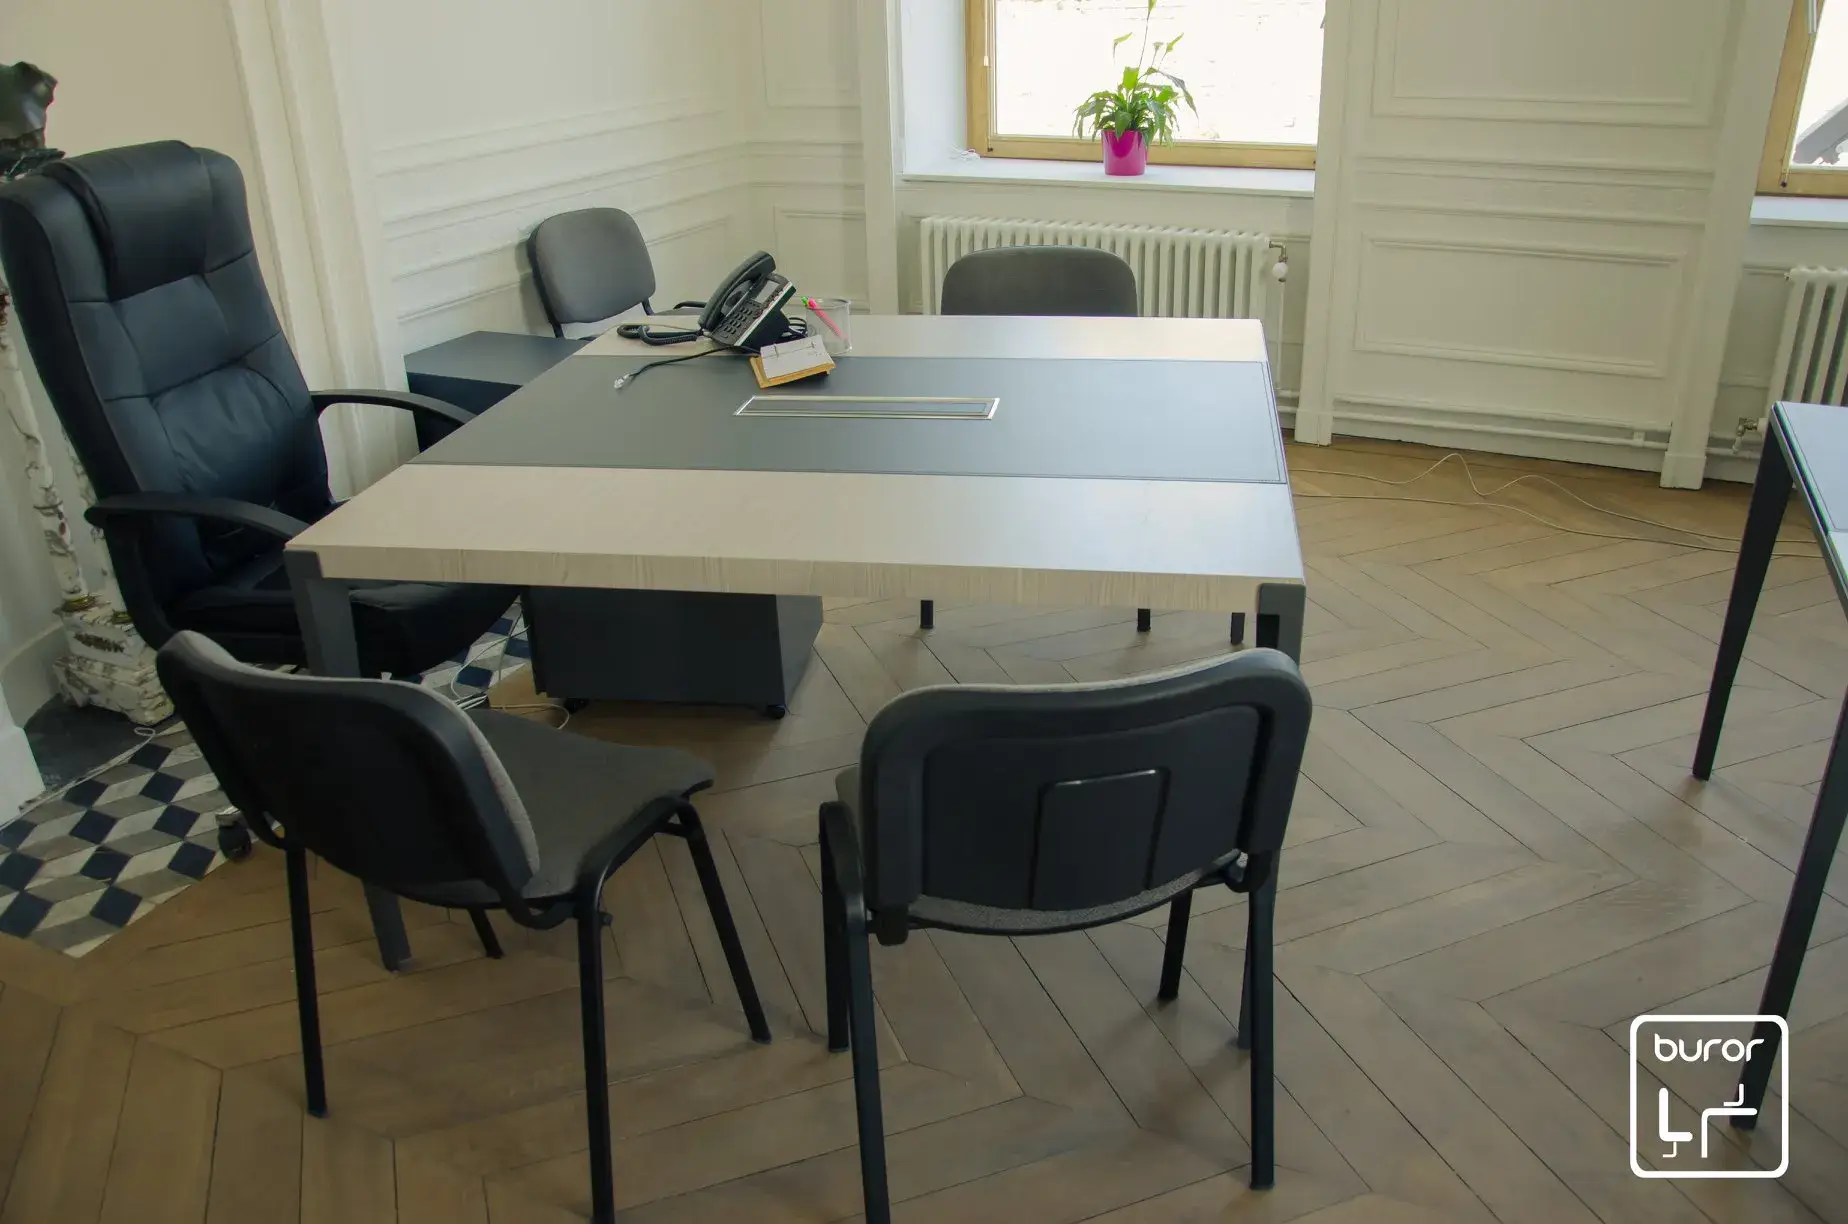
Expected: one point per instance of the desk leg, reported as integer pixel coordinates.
(325, 611)
(1819, 846)
(1280, 626)
(1770, 495)
(1280, 618)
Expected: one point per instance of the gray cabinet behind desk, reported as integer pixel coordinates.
(674, 646)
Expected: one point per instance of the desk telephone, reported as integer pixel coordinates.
(745, 311)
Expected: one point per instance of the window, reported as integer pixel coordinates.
(1254, 68)
(1806, 152)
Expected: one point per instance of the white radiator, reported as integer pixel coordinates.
(1181, 273)
(1812, 360)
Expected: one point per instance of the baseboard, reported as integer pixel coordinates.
(1450, 427)
(20, 782)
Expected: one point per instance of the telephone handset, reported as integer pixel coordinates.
(745, 310)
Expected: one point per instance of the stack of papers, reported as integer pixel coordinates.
(780, 363)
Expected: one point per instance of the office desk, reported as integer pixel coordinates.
(1807, 444)
(569, 483)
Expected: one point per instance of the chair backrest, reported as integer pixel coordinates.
(1070, 797)
(590, 265)
(385, 780)
(141, 299)
(1041, 280)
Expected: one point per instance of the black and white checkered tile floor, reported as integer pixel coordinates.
(82, 864)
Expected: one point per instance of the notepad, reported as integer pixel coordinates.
(777, 364)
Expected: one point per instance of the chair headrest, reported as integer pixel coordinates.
(151, 208)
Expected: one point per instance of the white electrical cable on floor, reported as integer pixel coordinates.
(1486, 501)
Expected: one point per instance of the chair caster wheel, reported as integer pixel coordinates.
(775, 711)
(234, 841)
(571, 705)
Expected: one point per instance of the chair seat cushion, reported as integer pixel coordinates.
(993, 920)
(403, 628)
(581, 795)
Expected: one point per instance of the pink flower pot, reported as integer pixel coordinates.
(1124, 153)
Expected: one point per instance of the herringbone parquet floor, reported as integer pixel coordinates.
(1497, 858)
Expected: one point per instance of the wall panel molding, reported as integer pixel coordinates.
(479, 203)
(518, 137)
(1648, 220)
(1472, 70)
(1367, 338)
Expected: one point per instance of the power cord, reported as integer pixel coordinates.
(540, 705)
(1486, 496)
(640, 370)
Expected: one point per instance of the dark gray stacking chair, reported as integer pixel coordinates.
(590, 265)
(1041, 280)
(1029, 811)
(1045, 280)
(481, 810)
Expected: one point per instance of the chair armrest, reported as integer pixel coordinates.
(424, 404)
(133, 506)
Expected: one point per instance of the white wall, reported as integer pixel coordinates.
(935, 179)
(722, 125)
(126, 73)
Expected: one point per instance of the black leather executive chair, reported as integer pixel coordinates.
(592, 265)
(1045, 280)
(141, 300)
(482, 810)
(1030, 811)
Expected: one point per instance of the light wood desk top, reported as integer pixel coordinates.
(1174, 544)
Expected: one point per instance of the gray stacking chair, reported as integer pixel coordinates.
(480, 810)
(1029, 811)
(1041, 280)
(591, 265)
(1045, 280)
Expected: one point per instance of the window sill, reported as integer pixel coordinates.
(1800, 211)
(963, 167)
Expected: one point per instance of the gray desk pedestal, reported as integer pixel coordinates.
(681, 646)
(597, 645)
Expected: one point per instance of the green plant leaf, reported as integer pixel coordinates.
(1131, 79)
(1121, 39)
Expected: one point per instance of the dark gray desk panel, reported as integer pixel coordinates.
(481, 369)
(508, 358)
(1137, 420)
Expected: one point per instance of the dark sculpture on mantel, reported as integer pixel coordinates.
(25, 92)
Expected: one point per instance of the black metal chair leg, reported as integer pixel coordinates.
(307, 1005)
(490, 943)
(722, 919)
(1179, 910)
(833, 947)
(1144, 620)
(841, 856)
(1260, 986)
(596, 1057)
(1238, 628)
(866, 1066)
(1269, 889)
(927, 614)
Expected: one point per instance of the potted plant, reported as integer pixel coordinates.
(1141, 110)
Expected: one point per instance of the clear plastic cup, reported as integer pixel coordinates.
(831, 318)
